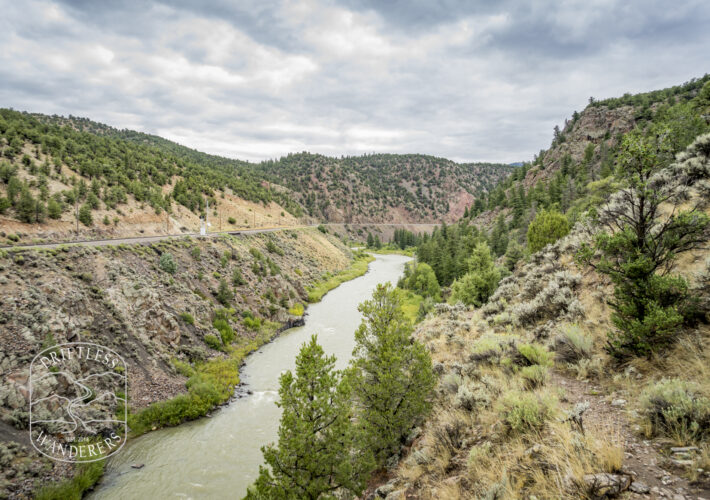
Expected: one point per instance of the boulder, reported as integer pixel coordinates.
(605, 485)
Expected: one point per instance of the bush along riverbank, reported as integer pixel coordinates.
(183, 313)
(212, 383)
(358, 267)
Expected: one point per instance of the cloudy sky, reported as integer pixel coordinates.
(468, 80)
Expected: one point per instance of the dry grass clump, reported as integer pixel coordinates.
(547, 465)
(533, 354)
(572, 344)
(526, 411)
(588, 368)
(701, 463)
(489, 349)
(677, 409)
(498, 431)
(534, 376)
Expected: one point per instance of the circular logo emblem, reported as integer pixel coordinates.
(78, 407)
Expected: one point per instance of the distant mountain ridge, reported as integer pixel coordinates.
(383, 187)
(55, 170)
(328, 201)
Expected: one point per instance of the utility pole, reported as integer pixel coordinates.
(203, 222)
(76, 214)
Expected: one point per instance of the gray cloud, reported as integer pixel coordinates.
(253, 80)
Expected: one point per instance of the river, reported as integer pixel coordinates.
(219, 457)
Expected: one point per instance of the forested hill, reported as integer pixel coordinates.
(127, 179)
(211, 172)
(578, 169)
(383, 187)
(571, 179)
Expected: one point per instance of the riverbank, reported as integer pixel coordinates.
(209, 385)
(219, 456)
(358, 267)
(212, 384)
(183, 313)
(409, 252)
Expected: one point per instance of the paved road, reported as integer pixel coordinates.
(149, 239)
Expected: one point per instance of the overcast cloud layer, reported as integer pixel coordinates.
(470, 80)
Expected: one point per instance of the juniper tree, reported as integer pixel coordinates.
(480, 281)
(85, 216)
(421, 279)
(224, 294)
(391, 374)
(26, 207)
(546, 228)
(645, 229)
(316, 456)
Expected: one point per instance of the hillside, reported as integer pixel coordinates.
(178, 311)
(573, 177)
(576, 366)
(56, 170)
(383, 187)
(577, 171)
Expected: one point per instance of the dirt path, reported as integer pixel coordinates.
(643, 459)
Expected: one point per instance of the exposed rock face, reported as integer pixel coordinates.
(121, 298)
(606, 485)
(596, 125)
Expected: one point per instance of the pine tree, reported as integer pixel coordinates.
(499, 237)
(224, 293)
(514, 253)
(370, 240)
(93, 201)
(85, 216)
(14, 187)
(26, 207)
(640, 244)
(479, 282)
(54, 209)
(316, 456)
(40, 211)
(391, 374)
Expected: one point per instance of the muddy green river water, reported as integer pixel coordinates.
(219, 457)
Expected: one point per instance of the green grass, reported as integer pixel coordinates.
(409, 252)
(87, 475)
(357, 268)
(410, 304)
(209, 385)
(297, 309)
